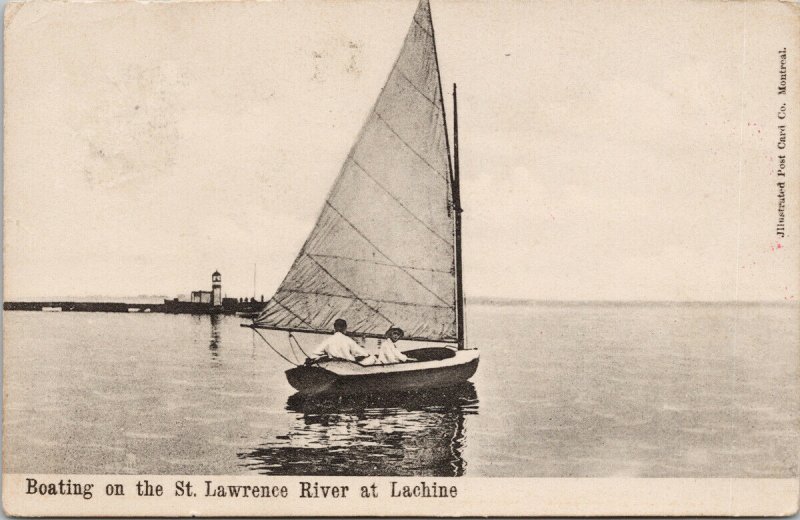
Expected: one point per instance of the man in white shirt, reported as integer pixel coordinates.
(389, 353)
(340, 346)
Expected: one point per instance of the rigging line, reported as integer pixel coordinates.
(346, 288)
(292, 336)
(297, 291)
(386, 123)
(383, 254)
(432, 102)
(274, 349)
(440, 271)
(294, 354)
(381, 186)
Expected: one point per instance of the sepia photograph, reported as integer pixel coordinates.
(455, 250)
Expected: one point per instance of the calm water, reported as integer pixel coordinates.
(572, 390)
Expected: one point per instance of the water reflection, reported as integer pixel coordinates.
(419, 433)
(216, 337)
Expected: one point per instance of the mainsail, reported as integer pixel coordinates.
(382, 253)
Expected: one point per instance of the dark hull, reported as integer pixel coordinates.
(311, 380)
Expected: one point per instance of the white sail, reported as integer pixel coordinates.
(382, 252)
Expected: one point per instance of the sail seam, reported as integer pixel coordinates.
(432, 102)
(381, 186)
(382, 254)
(377, 114)
(429, 269)
(291, 312)
(346, 288)
(422, 27)
(410, 304)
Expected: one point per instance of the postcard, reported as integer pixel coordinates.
(401, 258)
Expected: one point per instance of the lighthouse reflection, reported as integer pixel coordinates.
(419, 433)
(216, 337)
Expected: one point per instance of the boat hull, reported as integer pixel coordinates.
(341, 377)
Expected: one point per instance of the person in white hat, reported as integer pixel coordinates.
(389, 353)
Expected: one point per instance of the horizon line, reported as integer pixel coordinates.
(497, 300)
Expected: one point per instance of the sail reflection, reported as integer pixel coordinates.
(419, 433)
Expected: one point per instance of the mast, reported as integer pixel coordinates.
(458, 210)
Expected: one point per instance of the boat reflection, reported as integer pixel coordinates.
(414, 433)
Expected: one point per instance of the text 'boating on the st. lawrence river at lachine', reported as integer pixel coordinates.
(310, 489)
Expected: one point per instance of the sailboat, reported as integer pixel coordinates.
(386, 249)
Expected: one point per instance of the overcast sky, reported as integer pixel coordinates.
(609, 150)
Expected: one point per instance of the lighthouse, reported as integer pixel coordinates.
(216, 289)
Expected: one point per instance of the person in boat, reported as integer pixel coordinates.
(389, 353)
(341, 346)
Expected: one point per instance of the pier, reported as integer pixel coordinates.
(229, 306)
(201, 302)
